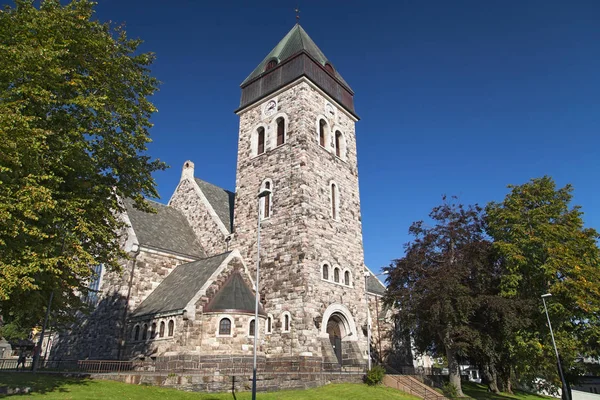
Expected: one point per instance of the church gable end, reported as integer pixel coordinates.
(208, 209)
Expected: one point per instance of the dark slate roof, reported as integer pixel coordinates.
(375, 286)
(177, 289)
(167, 229)
(234, 296)
(221, 201)
(295, 41)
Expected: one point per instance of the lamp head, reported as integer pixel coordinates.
(264, 193)
(547, 295)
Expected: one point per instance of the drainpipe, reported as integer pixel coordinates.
(125, 311)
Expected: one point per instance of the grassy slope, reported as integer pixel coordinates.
(53, 387)
(479, 392)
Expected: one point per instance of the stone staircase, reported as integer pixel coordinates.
(411, 385)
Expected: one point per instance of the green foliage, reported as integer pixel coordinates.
(544, 247)
(450, 390)
(441, 282)
(460, 293)
(74, 121)
(375, 375)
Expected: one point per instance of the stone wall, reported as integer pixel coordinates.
(197, 334)
(187, 200)
(226, 373)
(98, 334)
(301, 234)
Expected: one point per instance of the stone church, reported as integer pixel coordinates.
(187, 288)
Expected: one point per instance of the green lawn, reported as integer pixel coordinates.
(54, 387)
(480, 392)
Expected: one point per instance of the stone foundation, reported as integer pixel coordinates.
(266, 382)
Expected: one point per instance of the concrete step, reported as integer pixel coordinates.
(411, 385)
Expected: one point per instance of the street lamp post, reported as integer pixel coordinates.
(262, 194)
(565, 389)
(367, 274)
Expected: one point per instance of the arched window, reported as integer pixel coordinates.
(267, 204)
(252, 328)
(347, 278)
(269, 327)
(280, 131)
(334, 201)
(326, 272)
(171, 327)
(266, 201)
(285, 322)
(225, 327)
(136, 333)
(336, 275)
(153, 331)
(145, 332)
(261, 141)
(161, 332)
(270, 65)
(323, 133)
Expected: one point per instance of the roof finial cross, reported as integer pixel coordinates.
(297, 15)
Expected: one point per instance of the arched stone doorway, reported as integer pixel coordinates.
(334, 330)
(339, 336)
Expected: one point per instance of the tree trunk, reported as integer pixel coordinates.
(508, 385)
(490, 378)
(454, 370)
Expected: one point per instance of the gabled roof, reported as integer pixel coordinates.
(221, 201)
(179, 287)
(295, 41)
(167, 229)
(375, 286)
(234, 296)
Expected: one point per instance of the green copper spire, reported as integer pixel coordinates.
(297, 40)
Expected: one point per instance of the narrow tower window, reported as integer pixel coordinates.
(347, 278)
(280, 131)
(286, 323)
(338, 140)
(261, 140)
(161, 331)
(269, 324)
(171, 327)
(145, 332)
(136, 335)
(153, 331)
(322, 127)
(334, 201)
(336, 275)
(266, 201)
(325, 271)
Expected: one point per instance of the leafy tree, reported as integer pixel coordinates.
(74, 121)
(545, 248)
(437, 285)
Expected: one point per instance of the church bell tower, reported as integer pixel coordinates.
(297, 139)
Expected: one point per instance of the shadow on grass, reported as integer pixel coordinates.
(480, 392)
(39, 383)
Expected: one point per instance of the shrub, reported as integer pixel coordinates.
(375, 375)
(450, 390)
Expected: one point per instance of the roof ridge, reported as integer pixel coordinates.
(212, 184)
(216, 255)
(300, 33)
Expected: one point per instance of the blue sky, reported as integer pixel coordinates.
(455, 97)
